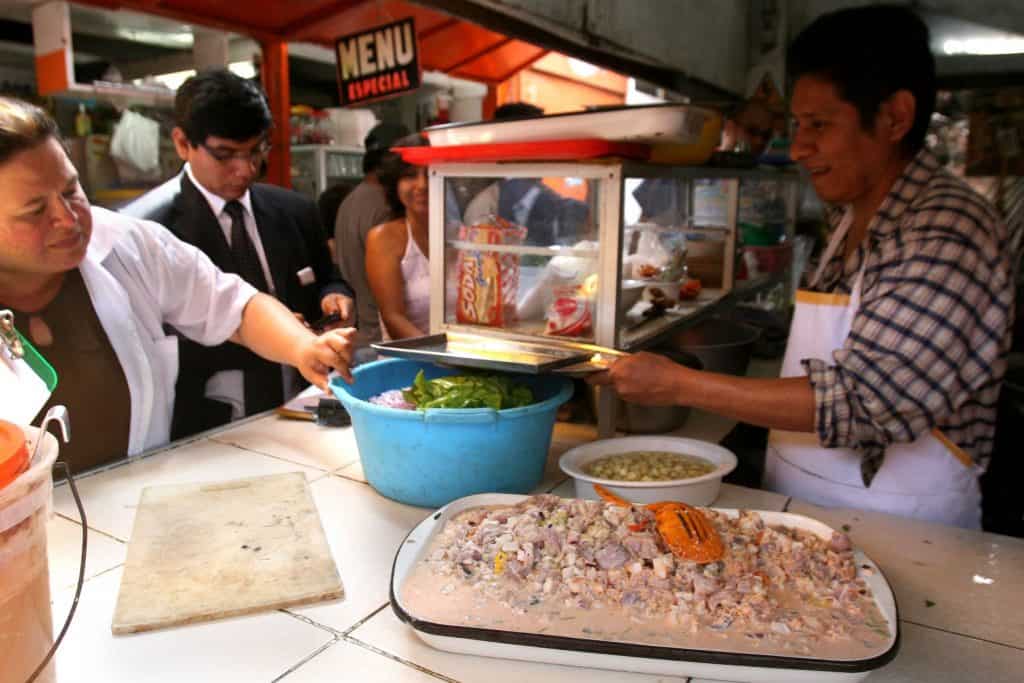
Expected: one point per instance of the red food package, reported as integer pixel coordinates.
(488, 280)
(570, 315)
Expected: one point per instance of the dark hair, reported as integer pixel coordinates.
(869, 53)
(330, 200)
(393, 168)
(218, 102)
(511, 111)
(23, 126)
(379, 141)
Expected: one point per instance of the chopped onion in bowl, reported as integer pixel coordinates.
(392, 399)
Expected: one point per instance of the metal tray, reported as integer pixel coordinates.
(626, 656)
(654, 123)
(486, 353)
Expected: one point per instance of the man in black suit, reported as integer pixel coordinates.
(271, 237)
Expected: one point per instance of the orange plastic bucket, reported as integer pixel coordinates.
(26, 626)
(13, 453)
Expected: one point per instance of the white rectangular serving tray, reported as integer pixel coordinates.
(655, 124)
(619, 656)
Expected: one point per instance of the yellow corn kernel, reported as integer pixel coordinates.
(499, 562)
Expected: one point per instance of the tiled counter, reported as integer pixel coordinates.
(959, 592)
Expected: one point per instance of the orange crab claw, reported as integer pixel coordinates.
(684, 529)
(688, 533)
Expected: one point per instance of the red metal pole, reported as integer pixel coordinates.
(275, 83)
(490, 102)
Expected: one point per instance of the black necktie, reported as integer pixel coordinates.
(263, 385)
(247, 262)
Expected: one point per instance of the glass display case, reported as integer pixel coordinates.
(318, 167)
(595, 252)
(603, 253)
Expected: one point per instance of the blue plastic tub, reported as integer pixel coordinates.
(430, 458)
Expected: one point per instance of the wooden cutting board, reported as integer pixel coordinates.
(205, 551)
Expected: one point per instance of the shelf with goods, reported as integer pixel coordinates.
(315, 168)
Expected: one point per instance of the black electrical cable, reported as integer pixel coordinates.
(81, 573)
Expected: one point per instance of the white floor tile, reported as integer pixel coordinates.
(110, 497)
(353, 471)
(64, 543)
(929, 656)
(364, 530)
(945, 577)
(386, 632)
(350, 662)
(745, 498)
(259, 647)
(298, 441)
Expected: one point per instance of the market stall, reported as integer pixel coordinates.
(578, 229)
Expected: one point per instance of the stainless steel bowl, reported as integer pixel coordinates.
(635, 418)
(722, 345)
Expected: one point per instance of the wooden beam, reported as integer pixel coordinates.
(490, 102)
(51, 31)
(509, 73)
(444, 26)
(276, 85)
(449, 68)
(315, 17)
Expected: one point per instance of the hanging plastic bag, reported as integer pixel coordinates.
(136, 142)
(660, 253)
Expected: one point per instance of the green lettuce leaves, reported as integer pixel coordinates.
(467, 391)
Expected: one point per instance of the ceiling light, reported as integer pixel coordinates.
(174, 79)
(984, 46)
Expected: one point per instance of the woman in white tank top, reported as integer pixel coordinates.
(397, 252)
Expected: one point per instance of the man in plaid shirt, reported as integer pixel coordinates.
(888, 393)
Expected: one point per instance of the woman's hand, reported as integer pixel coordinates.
(272, 331)
(316, 356)
(645, 378)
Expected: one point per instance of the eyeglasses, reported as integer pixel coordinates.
(253, 156)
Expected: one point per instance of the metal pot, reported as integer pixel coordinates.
(722, 345)
(640, 419)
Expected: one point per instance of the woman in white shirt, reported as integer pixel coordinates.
(398, 252)
(134, 277)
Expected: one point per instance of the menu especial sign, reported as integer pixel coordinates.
(379, 63)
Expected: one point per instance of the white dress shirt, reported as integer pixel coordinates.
(228, 386)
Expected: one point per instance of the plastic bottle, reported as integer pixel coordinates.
(83, 122)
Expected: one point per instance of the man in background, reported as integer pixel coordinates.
(271, 237)
(364, 208)
(548, 217)
(749, 128)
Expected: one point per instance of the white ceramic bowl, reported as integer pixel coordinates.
(696, 491)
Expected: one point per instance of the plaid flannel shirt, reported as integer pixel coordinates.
(928, 344)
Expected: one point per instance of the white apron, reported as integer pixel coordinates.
(929, 478)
